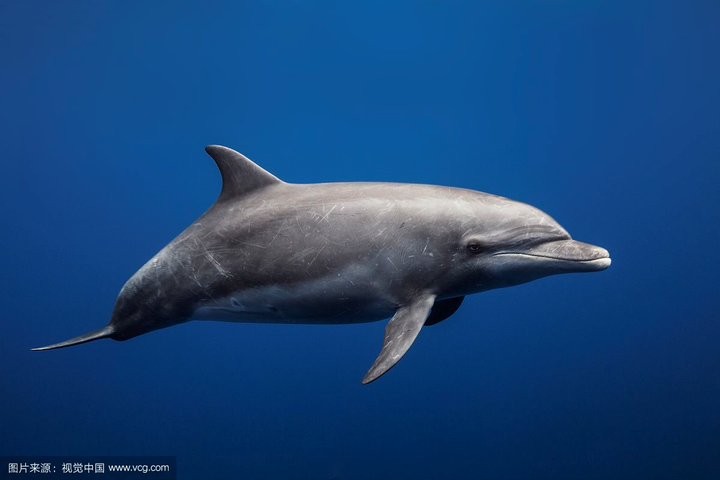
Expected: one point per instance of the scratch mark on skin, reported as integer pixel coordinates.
(393, 264)
(316, 256)
(341, 314)
(330, 241)
(277, 233)
(212, 260)
(217, 265)
(328, 213)
(230, 251)
(282, 227)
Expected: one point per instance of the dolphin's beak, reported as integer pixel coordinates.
(565, 256)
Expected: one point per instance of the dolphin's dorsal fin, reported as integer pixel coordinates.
(240, 175)
(400, 334)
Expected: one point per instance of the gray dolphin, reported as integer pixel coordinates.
(274, 252)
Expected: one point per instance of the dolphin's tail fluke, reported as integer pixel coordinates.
(88, 337)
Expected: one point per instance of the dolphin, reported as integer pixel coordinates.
(269, 251)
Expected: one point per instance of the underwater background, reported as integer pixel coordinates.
(604, 114)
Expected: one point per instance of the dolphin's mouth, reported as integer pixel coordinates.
(601, 262)
(572, 253)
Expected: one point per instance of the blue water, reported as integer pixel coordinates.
(602, 113)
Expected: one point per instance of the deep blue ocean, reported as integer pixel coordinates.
(604, 114)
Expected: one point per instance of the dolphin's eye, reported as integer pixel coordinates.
(474, 247)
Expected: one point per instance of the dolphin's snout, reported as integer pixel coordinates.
(564, 256)
(603, 256)
(583, 256)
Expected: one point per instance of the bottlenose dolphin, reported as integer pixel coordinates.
(274, 252)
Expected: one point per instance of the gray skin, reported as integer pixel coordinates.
(332, 253)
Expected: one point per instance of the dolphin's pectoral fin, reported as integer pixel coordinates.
(240, 175)
(400, 333)
(443, 309)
